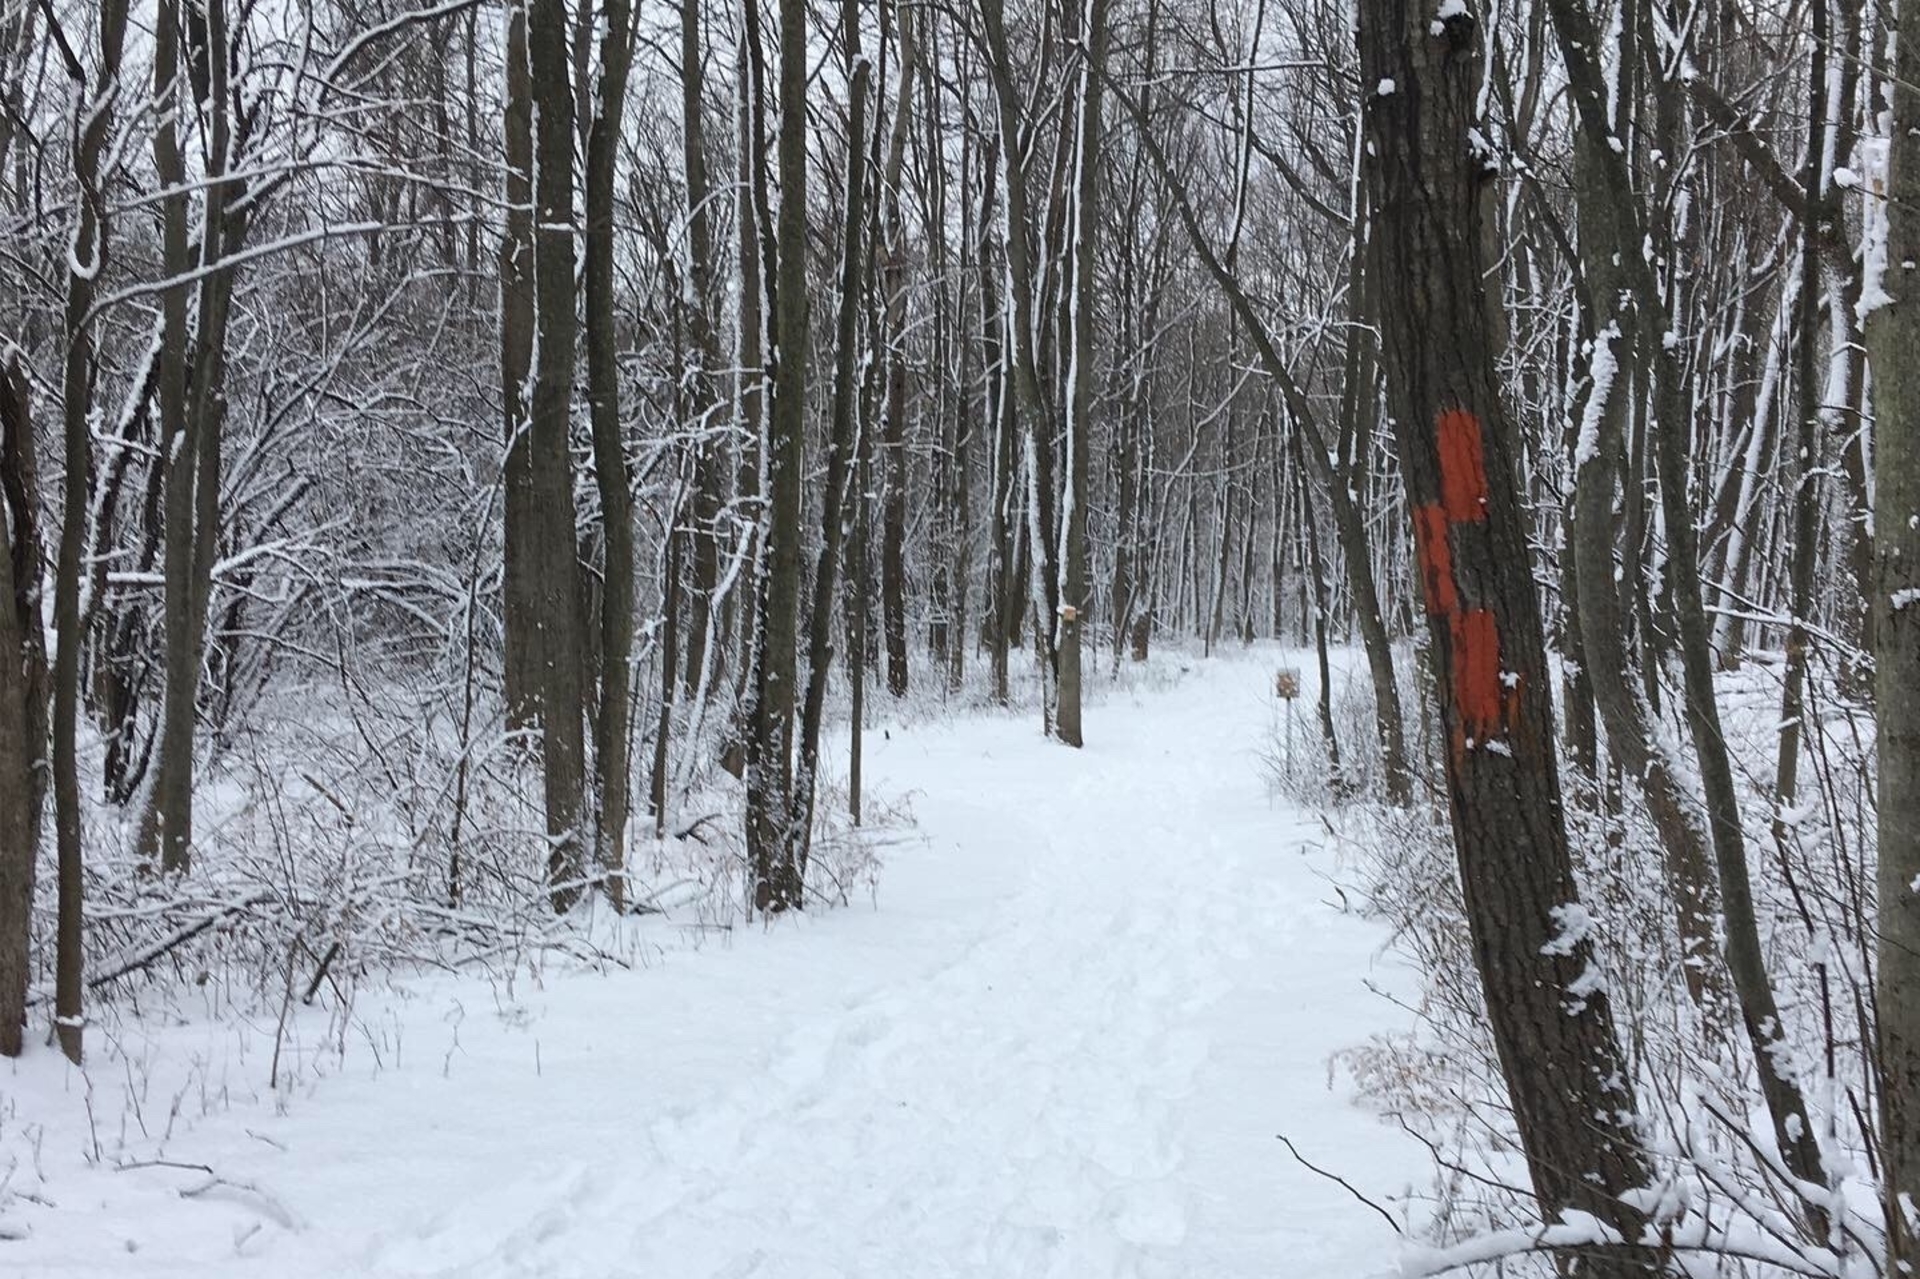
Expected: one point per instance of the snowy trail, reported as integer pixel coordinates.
(1062, 1046)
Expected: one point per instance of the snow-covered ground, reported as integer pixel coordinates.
(1096, 987)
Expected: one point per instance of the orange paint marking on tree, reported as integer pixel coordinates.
(1486, 703)
(1436, 559)
(1463, 467)
(1477, 690)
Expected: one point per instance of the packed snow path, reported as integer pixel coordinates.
(1063, 1045)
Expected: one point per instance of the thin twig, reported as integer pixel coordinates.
(1340, 1181)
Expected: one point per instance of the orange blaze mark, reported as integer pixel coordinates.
(1436, 558)
(1463, 467)
(1476, 672)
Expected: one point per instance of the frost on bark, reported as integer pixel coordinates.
(1549, 1013)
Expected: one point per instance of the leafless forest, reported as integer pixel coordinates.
(466, 466)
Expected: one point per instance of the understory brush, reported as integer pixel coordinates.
(353, 831)
(1721, 1202)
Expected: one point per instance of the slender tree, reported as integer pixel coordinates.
(611, 474)
(551, 545)
(95, 103)
(1072, 556)
(770, 746)
(23, 697)
(843, 448)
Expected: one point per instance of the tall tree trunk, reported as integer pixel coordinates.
(1023, 328)
(194, 465)
(770, 745)
(1121, 586)
(1073, 520)
(609, 452)
(520, 604)
(751, 383)
(1317, 569)
(1633, 741)
(998, 406)
(93, 122)
(859, 604)
(657, 791)
(842, 449)
(23, 697)
(551, 545)
(1566, 1075)
(1894, 334)
(959, 493)
(893, 428)
(709, 468)
(1804, 555)
(168, 831)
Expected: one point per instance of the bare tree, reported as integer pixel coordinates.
(1571, 1096)
(1894, 329)
(611, 475)
(551, 545)
(770, 747)
(23, 697)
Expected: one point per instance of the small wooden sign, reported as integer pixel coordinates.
(1286, 683)
(1069, 614)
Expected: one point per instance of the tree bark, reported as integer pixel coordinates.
(1317, 570)
(1023, 327)
(893, 422)
(23, 697)
(1552, 1024)
(1804, 556)
(1607, 663)
(194, 464)
(1894, 335)
(842, 448)
(609, 452)
(1002, 589)
(93, 123)
(168, 832)
(770, 745)
(1073, 520)
(519, 576)
(552, 549)
(703, 355)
